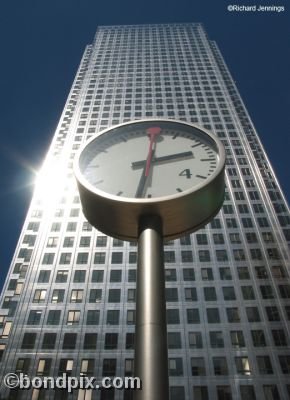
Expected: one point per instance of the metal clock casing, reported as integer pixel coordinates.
(109, 158)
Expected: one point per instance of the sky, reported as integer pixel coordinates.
(41, 44)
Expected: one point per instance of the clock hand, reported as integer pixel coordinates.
(171, 157)
(152, 133)
(143, 180)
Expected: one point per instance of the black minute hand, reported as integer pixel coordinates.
(171, 157)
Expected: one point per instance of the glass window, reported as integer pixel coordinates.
(213, 316)
(101, 241)
(61, 277)
(220, 365)
(76, 296)
(117, 257)
(218, 238)
(258, 338)
(206, 274)
(272, 313)
(171, 294)
(216, 339)
(68, 241)
(100, 257)
(175, 366)
(248, 292)
(193, 316)
(131, 315)
(197, 366)
(172, 316)
(34, 317)
(284, 291)
(243, 273)
(116, 275)
(264, 365)
(130, 340)
(53, 317)
(279, 337)
(195, 340)
(48, 342)
(90, 341)
(177, 393)
(43, 367)
(200, 393)
(111, 341)
(237, 339)
(73, 317)
(186, 256)
(233, 314)
(170, 275)
(209, 294)
(174, 340)
(113, 317)
(285, 363)
(253, 314)
(57, 296)
(114, 296)
(79, 276)
(271, 392)
(39, 296)
(48, 258)
(247, 392)
(44, 276)
(65, 258)
(229, 293)
(93, 317)
(243, 365)
(95, 295)
(261, 272)
(201, 238)
(109, 367)
(188, 274)
(85, 241)
(169, 257)
(190, 294)
(132, 274)
(69, 341)
(224, 392)
(97, 276)
(225, 273)
(132, 257)
(204, 255)
(82, 258)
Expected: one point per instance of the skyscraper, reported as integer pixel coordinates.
(68, 304)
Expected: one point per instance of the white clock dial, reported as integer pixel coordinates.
(150, 160)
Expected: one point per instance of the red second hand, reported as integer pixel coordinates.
(152, 133)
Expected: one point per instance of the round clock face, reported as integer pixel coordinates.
(150, 159)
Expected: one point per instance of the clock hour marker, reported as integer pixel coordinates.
(197, 144)
(207, 159)
(179, 190)
(93, 166)
(201, 176)
(119, 193)
(100, 181)
(149, 196)
(175, 136)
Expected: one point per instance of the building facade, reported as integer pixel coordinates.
(68, 304)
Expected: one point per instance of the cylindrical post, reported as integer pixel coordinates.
(151, 357)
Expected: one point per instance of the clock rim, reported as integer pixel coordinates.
(153, 200)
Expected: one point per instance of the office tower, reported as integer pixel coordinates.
(68, 301)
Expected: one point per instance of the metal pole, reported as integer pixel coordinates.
(151, 357)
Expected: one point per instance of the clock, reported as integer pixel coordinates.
(168, 168)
